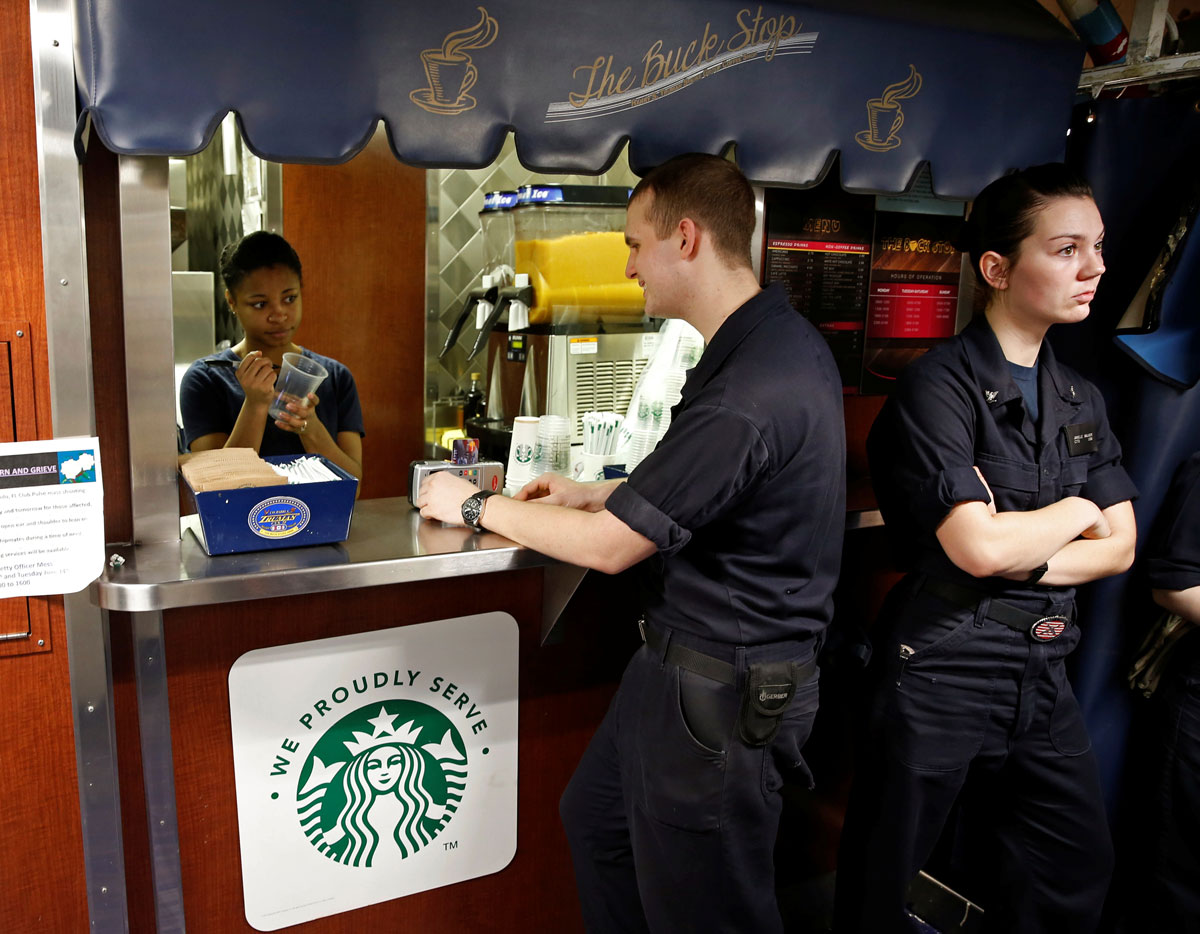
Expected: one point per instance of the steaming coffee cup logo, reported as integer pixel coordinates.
(885, 116)
(449, 70)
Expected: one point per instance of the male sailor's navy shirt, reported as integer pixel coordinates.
(745, 494)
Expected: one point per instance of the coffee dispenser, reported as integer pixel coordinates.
(496, 223)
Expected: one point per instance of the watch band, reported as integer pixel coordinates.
(1036, 574)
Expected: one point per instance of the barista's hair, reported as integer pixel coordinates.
(1005, 212)
(711, 191)
(256, 251)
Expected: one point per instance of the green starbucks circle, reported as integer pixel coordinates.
(381, 783)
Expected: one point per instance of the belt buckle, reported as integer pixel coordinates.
(1048, 628)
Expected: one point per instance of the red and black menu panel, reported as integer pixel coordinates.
(914, 292)
(817, 242)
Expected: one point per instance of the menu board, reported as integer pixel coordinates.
(879, 277)
(817, 243)
(914, 292)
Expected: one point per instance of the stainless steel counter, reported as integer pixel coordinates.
(388, 544)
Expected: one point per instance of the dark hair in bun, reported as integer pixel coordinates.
(1005, 212)
(256, 251)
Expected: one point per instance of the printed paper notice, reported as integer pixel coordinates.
(51, 516)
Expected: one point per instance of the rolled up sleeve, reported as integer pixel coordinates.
(628, 505)
(922, 454)
(1109, 485)
(709, 459)
(948, 488)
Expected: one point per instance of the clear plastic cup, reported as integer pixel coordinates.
(298, 376)
(553, 452)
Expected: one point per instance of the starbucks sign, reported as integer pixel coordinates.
(373, 766)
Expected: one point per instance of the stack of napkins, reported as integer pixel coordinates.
(226, 469)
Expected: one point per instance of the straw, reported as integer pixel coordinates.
(305, 470)
(600, 432)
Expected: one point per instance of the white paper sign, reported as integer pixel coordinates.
(51, 516)
(373, 766)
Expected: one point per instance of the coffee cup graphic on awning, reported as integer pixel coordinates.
(885, 116)
(449, 70)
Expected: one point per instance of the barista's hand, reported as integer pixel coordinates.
(442, 496)
(300, 416)
(556, 490)
(256, 375)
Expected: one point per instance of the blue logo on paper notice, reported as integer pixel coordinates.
(76, 467)
(278, 517)
(47, 468)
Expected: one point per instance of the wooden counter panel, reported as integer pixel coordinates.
(102, 227)
(564, 691)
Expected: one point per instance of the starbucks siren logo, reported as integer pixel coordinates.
(372, 793)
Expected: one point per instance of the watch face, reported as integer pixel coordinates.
(471, 509)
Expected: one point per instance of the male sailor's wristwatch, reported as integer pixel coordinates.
(1036, 574)
(472, 509)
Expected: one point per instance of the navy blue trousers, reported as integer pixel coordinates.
(670, 817)
(974, 702)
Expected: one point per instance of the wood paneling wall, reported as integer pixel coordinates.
(360, 231)
(102, 217)
(41, 863)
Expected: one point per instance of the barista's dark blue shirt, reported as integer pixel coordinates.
(1173, 550)
(210, 398)
(957, 408)
(745, 495)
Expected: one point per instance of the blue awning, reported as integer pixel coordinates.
(890, 86)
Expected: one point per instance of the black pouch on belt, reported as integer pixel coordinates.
(769, 690)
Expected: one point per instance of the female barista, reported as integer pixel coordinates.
(224, 397)
(1002, 489)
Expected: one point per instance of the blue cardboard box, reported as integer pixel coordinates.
(284, 516)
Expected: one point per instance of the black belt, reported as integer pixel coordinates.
(1038, 628)
(704, 664)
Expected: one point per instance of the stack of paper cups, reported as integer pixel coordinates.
(520, 453)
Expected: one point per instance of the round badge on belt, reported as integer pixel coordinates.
(1048, 628)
